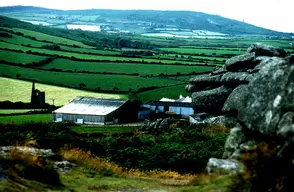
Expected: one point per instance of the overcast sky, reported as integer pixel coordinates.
(271, 14)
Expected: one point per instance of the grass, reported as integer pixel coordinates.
(91, 81)
(17, 39)
(126, 68)
(45, 37)
(97, 174)
(172, 92)
(102, 129)
(88, 56)
(14, 111)
(89, 50)
(21, 58)
(18, 90)
(202, 51)
(20, 119)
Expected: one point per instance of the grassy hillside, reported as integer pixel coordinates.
(128, 20)
(65, 58)
(18, 90)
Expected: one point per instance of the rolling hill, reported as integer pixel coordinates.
(138, 21)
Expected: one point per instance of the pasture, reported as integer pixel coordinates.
(20, 119)
(125, 68)
(152, 74)
(50, 38)
(18, 90)
(21, 58)
(91, 81)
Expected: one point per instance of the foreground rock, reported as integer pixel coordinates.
(46, 155)
(264, 109)
(5, 150)
(212, 93)
(215, 165)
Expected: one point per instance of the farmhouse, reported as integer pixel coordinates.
(181, 106)
(88, 110)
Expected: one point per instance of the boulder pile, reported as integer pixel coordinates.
(257, 88)
(220, 91)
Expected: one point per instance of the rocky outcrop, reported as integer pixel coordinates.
(64, 166)
(5, 150)
(157, 125)
(215, 165)
(266, 50)
(46, 154)
(210, 101)
(264, 109)
(221, 91)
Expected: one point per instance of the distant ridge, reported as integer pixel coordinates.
(187, 20)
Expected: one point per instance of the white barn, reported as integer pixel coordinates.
(88, 110)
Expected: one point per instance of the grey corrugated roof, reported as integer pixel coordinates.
(91, 106)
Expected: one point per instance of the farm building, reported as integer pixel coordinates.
(88, 110)
(181, 106)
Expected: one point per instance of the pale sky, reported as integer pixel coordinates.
(270, 14)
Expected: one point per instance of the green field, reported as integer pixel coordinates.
(20, 40)
(22, 58)
(88, 56)
(172, 92)
(152, 73)
(203, 51)
(126, 68)
(14, 111)
(92, 51)
(20, 119)
(50, 38)
(18, 90)
(91, 81)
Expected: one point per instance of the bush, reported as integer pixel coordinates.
(264, 171)
(31, 167)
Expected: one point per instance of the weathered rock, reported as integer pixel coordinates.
(286, 131)
(221, 120)
(210, 101)
(222, 165)
(234, 79)
(4, 151)
(266, 50)
(205, 80)
(290, 58)
(241, 62)
(192, 88)
(219, 71)
(233, 141)
(269, 92)
(263, 61)
(164, 124)
(235, 100)
(64, 166)
(286, 120)
(157, 125)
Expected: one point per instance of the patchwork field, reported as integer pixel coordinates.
(129, 66)
(20, 119)
(18, 90)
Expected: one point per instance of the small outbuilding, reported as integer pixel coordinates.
(89, 110)
(181, 106)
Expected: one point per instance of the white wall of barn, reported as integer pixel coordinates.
(182, 110)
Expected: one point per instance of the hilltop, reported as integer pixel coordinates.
(169, 23)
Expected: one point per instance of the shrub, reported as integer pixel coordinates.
(264, 171)
(32, 167)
